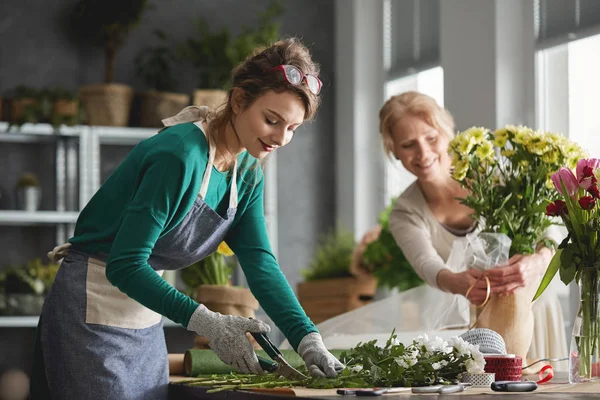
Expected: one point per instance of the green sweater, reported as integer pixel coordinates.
(150, 193)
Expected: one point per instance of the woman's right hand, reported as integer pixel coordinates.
(227, 336)
(460, 282)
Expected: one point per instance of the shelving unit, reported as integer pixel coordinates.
(29, 218)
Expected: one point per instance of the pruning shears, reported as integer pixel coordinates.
(279, 364)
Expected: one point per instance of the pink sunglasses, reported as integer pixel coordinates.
(294, 76)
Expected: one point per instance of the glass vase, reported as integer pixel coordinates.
(584, 360)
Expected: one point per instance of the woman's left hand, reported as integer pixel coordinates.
(521, 270)
(319, 361)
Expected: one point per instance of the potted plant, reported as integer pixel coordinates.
(106, 23)
(380, 256)
(329, 288)
(65, 107)
(208, 281)
(23, 105)
(25, 286)
(28, 192)
(153, 66)
(215, 54)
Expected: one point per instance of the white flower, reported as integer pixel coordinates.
(463, 348)
(473, 367)
(436, 366)
(395, 342)
(436, 344)
(356, 368)
(401, 362)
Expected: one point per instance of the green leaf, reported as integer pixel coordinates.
(567, 274)
(553, 267)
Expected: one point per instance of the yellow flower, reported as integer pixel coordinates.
(460, 170)
(465, 145)
(477, 133)
(485, 150)
(224, 249)
(550, 157)
(508, 153)
(500, 141)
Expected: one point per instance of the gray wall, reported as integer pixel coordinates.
(35, 51)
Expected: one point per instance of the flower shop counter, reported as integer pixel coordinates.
(580, 391)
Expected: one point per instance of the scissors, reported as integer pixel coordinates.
(441, 389)
(280, 366)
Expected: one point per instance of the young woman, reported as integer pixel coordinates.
(170, 203)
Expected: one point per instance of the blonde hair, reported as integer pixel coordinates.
(418, 105)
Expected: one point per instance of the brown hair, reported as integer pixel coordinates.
(416, 104)
(254, 76)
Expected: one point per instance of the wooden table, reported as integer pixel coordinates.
(555, 391)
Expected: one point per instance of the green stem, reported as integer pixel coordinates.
(588, 312)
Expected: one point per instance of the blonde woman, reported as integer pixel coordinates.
(427, 218)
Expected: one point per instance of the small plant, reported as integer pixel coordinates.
(332, 258)
(106, 23)
(213, 270)
(60, 93)
(25, 92)
(28, 179)
(31, 278)
(214, 54)
(385, 260)
(153, 64)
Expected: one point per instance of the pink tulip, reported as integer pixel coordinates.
(585, 180)
(568, 179)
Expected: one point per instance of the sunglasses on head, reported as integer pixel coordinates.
(294, 76)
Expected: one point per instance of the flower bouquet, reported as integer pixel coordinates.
(508, 177)
(578, 258)
(507, 173)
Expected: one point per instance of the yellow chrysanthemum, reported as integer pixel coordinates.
(485, 150)
(550, 157)
(224, 249)
(479, 134)
(499, 141)
(465, 145)
(507, 153)
(460, 170)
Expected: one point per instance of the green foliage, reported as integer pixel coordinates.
(421, 363)
(153, 64)
(215, 54)
(332, 258)
(385, 260)
(31, 278)
(213, 270)
(41, 109)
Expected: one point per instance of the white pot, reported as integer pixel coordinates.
(29, 198)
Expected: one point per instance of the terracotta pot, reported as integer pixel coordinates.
(212, 98)
(107, 104)
(157, 106)
(324, 299)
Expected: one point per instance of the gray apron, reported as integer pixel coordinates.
(95, 341)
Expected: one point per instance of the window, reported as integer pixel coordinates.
(430, 82)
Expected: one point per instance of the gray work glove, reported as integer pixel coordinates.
(319, 361)
(227, 336)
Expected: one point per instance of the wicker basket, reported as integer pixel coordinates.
(157, 106)
(213, 98)
(107, 104)
(18, 107)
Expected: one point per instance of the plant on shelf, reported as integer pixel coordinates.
(26, 285)
(65, 107)
(154, 66)
(329, 288)
(106, 23)
(381, 257)
(213, 54)
(28, 192)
